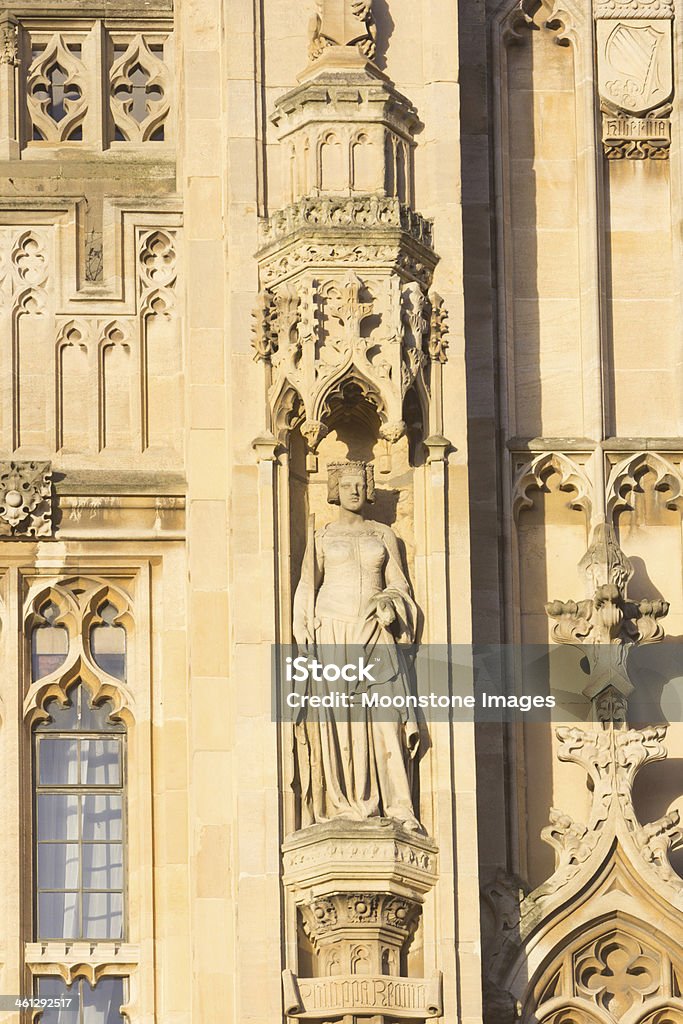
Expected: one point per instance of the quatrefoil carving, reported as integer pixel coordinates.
(140, 88)
(56, 93)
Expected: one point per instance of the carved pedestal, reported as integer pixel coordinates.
(360, 887)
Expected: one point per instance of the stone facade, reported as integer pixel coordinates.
(243, 245)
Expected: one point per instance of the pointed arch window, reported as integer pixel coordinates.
(49, 643)
(79, 807)
(108, 642)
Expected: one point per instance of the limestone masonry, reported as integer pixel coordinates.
(349, 325)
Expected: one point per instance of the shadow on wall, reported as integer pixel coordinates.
(385, 28)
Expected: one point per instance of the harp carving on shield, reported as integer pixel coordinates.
(635, 81)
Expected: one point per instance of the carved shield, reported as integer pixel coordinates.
(634, 64)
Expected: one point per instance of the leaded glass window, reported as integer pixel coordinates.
(108, 643)
(49, 643)
(79, 821)
(86, 1005)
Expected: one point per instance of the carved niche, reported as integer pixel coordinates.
(347, 322)
(634, 40)
(346, 265)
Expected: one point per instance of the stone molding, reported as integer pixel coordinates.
(360, 211)
(647, 9)
(359, 855)
(81, 959)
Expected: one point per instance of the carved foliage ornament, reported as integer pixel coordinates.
(607, 624)
(25, 499)
(319, 334)
(9, 49)
(347, 211)
(611, 758)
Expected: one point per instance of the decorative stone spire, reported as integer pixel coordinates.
(607, 625)
(342, 23)
(346, 308)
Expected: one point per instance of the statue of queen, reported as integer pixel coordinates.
(354, 598)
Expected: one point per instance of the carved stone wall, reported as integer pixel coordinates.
(90, 379)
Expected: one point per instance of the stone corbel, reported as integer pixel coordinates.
(265, 446)
(360, 920)
(81, 959)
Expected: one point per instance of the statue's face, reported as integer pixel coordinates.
(352, 491)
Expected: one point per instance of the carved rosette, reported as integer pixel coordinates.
(634, 40)
(382, 922)
(346, 265)
(25, 499)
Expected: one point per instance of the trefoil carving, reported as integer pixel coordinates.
(536, 474)
(625, 480)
